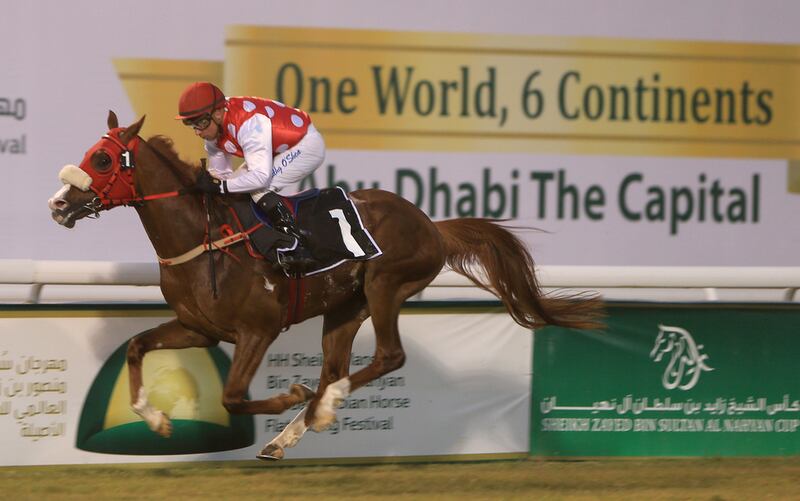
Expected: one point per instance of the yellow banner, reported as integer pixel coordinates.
(469, 92)
(453, 92)
(153, 87)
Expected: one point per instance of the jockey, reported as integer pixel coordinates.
(279, 144)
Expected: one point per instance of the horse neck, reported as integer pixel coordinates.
(174, 224)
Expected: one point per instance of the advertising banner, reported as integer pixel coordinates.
(680, 146)
(642, 128)
(64, 397)
(670, 380)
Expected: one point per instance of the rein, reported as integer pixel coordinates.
(116, 186)
(209, 246)
(123, 173)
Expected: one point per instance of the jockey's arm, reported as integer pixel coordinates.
(219, 163)
(255, 138)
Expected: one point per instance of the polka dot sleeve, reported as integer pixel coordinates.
(255, 138)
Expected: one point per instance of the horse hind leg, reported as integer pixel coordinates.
(339, 329)
(385, 296)
(170, 335)
(389, 354)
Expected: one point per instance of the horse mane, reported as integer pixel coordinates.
(187, 172)
(165, 148)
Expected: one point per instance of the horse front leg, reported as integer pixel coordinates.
(247, 356)
(171, 335)
(338, 331)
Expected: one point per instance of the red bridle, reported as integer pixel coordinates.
(115, 186)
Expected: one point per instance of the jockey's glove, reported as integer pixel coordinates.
(206, 183)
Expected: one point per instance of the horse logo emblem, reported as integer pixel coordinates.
(686, 363)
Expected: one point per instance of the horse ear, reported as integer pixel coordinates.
(132, 131)
(113, 123)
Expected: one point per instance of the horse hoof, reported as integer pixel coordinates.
(165, 426)
(302, 391)
(271, 452)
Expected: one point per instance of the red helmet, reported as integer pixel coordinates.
(198, 99)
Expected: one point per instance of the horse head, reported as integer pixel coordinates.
(105, 178)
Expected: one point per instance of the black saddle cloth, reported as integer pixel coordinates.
(334, 231)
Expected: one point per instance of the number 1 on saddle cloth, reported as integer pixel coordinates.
(327, 223)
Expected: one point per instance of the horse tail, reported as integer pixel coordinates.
(497, 261)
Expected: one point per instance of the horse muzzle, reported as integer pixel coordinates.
(66, 213)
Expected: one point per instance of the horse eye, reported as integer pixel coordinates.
(102, 161)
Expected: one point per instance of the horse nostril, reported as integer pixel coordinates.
(58, 204)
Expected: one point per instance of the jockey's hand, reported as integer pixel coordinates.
(206, 183)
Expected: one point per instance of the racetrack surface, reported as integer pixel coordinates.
(630, 479)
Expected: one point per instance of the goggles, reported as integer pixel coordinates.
(200, 123)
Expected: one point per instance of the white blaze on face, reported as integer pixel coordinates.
(71, 176)
(59, 195)
(57, 203)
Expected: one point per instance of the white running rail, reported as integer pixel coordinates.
(38, 274)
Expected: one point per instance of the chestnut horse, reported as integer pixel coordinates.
(254, 298)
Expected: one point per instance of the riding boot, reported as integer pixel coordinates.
(282, 219)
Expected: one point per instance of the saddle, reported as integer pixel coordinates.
(330, 224)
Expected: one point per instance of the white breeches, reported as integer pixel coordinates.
(291, 166)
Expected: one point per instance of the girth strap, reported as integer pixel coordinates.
(294, 310)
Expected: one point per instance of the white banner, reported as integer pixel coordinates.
(465, 389)
(600, 209)
(62, 71)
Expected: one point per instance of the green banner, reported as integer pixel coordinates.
(670, 380)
